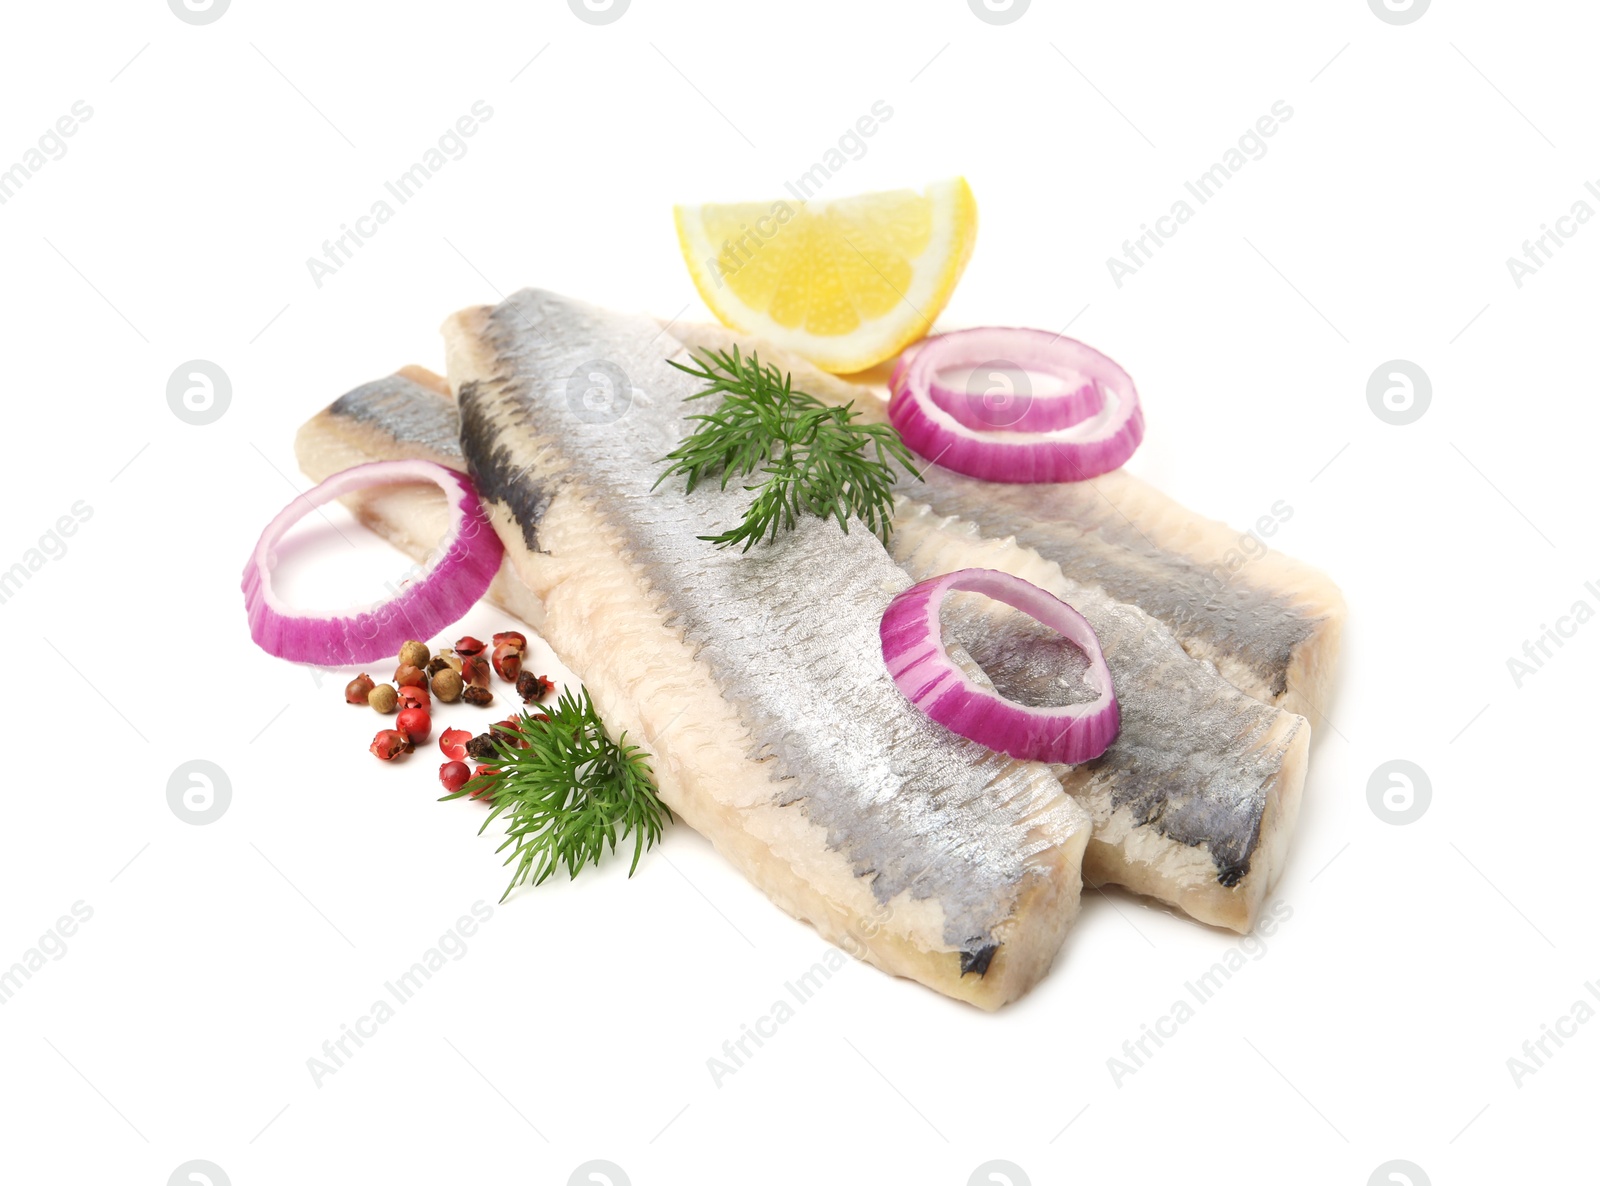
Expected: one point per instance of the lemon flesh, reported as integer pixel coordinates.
(844, 284)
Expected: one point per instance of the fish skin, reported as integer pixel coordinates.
(1196, 800)
(409, 414)
(392, 420)
(1208, 842)
(756, 679)
(1271, 625)
(1271, 644)
(391, 404)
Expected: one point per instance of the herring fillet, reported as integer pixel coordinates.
(1194, 803)
(1270, 624)
(408, 414)
(753, 679)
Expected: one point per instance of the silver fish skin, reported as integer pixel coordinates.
(1195, 802)
(755, 679)
(1271, 625)
(404, 416)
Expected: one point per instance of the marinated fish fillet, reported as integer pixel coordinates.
(1271, 625)
(409, 414)
(1193, 804)
(1195, 801)
(755, 680)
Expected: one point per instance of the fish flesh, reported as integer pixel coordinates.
(1195, 802)
(1268, 624)
(409, 415)
(755, 680)
(1271, 625)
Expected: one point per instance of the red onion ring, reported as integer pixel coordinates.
(1017, 411)
(914, 650)
(464, 564)
(1055, 438)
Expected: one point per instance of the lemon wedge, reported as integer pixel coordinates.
(844, 283)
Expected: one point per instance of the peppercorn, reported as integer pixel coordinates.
(453, 743)
(436, 664)
(451, 660)
(475, 695)
(474, 670)
(383, 698)
(454, 776)
(481, 748)
(467, 646)
(416, 724)
(389, 744)
(408, 674)
(532, 687)
(514, 637)
(447, 686)
(508, 661)
(415, 653)
(486, 791)
(413, 697)
(357, 690)
(510, 731)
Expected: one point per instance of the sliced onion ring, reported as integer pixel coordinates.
(1062, 452)
(1024, 410)
(464, 563)
(1017, 411)
(914, 650)
(1014, 410)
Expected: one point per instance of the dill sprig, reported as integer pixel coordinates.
(817, 460)
(568, 791)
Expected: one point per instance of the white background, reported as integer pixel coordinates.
(1417, 959)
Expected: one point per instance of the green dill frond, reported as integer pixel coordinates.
(816, 458)
(568, 791)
